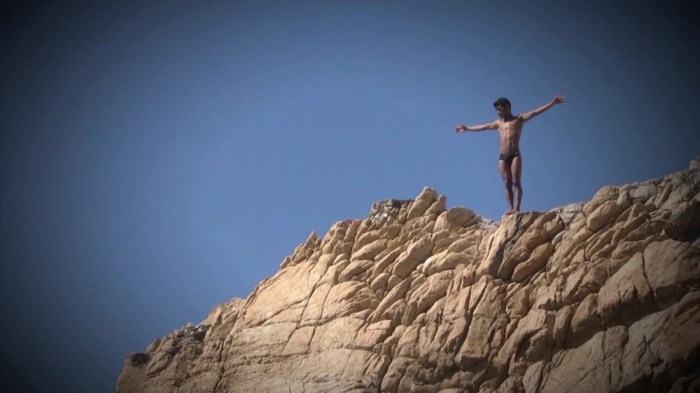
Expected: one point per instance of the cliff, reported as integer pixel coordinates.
(602, 296)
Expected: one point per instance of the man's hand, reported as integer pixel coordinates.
(559, 99)
(461, 128)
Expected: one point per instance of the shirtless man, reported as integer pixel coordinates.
(510, 161)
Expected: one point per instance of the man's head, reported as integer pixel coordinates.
(502, 106)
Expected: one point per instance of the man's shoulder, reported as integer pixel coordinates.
(514, 119)
(518, 119)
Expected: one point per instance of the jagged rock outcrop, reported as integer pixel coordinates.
(602, 296)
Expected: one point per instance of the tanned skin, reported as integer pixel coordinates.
(509, 128)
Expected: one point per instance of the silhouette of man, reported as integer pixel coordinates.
(510, 161)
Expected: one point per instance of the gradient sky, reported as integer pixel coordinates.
(160, 159)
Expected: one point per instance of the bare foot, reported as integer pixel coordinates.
(509, 212)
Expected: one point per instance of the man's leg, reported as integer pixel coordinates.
(506, 176)
(516, 168)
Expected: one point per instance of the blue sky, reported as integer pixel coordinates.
(160, 159)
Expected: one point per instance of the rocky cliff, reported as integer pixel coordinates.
(602, 296)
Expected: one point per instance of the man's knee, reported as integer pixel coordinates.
(516, 183)
(508, 182)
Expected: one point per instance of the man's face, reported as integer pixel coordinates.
(502, 110)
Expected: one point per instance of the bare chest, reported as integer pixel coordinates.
(510, 129)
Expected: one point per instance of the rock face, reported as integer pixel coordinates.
(602, 296)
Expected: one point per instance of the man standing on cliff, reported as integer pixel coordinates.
(510, 161)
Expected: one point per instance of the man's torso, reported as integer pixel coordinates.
(509, 132)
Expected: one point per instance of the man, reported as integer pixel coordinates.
(510, 161)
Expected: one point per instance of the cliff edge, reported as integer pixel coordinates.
(601, 296)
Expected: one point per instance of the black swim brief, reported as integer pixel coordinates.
(509, 156)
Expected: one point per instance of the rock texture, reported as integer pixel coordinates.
(602, 296)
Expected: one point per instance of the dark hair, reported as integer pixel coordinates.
(502, 101)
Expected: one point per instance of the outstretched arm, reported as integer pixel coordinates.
(529, 115)
(462, 128)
